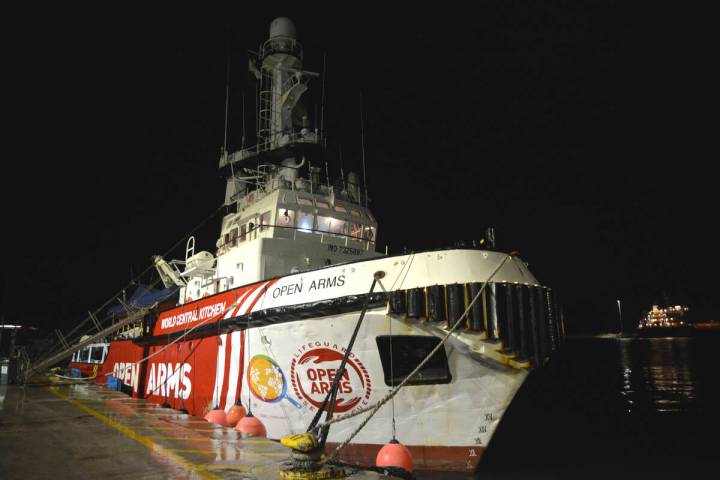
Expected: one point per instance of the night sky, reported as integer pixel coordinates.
(570, 127)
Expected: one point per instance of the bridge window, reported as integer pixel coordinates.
(243, 232)
(355, 213)
(340, 208)
(407, 352)
(332, 225)
(96, 354)
(305, 221)
(82, 355)
(285, 217)
(369, 234)
(264, 221)
(356, 230)
(321, 204)
(304, 201)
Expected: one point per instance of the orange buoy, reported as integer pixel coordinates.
(251, 426)
(235, 413)
(394, 454)
(216, 415)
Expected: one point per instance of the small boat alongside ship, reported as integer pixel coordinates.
(266, 319)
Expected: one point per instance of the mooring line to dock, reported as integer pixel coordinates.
(145, 441)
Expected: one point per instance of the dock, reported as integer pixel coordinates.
(65, 430)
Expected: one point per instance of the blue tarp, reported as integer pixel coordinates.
(144, 296)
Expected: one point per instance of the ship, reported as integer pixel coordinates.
(268, 318)
(673, 321)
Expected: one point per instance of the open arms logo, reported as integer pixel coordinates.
(312, 374)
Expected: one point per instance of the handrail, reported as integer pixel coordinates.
(294, 137)
(265, 188)
(281, 45)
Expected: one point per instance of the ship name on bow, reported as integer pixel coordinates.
(317, 284)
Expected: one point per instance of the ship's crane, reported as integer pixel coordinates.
(168, 275)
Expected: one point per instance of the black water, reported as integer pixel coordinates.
(614, 408)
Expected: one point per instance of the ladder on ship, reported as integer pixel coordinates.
(67, 352)
(265, 112)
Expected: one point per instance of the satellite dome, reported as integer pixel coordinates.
(282, 27)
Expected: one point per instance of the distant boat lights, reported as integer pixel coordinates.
(664, 317)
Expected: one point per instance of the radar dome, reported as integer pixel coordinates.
(282, 27)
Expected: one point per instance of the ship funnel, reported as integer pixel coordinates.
(282, 27)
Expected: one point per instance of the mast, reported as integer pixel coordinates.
(280, 81)
(283, 127)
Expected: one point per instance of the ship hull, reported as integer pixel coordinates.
(445, 425)
(280, 359)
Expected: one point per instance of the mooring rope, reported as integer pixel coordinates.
(332, 393)
(374, 408)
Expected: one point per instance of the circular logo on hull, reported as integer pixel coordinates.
(313, 373)
(266, 380)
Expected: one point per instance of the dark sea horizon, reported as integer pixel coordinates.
(612, 408)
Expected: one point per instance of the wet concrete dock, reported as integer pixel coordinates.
(85, 431)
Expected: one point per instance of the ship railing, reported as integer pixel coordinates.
(300, 185)
(286, 45)
(524, 323)
(303, 136)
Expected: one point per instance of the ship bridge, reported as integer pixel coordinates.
(285, 224)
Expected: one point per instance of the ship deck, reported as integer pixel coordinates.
(85, 431)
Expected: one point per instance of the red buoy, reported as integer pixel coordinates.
(394, 454)
(251, 426)
(216, 415)
(234, 415)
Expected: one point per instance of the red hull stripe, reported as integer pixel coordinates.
(219, 369)
(227, 367)
(262, 294)
(235, 311)
(235, 369)
(250, 298)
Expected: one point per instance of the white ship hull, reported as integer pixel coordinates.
(276, 345)
(447, 425)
